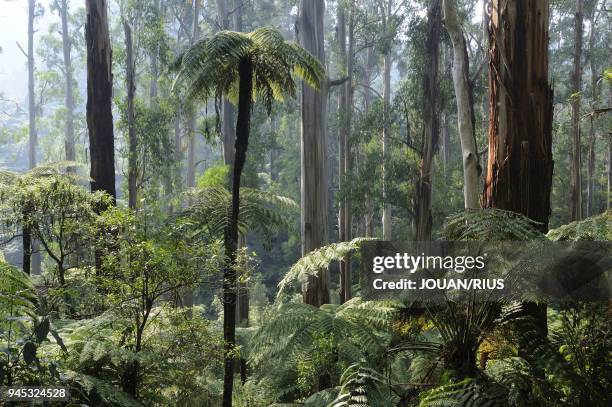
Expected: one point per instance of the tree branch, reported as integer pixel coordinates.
(337, 82)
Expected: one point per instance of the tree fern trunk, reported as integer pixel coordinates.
(245, 98)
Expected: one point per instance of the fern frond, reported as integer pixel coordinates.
(594, 228)
(489, 225)
(318, 259)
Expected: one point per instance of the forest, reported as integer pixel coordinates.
(186, 187)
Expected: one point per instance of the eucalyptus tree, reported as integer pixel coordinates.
(62, 8)
(520, 163)
(314, 196)
(575, 155)
(33, 137)
(465, 105)
(424, 218)
(99, 98)
(259, 64)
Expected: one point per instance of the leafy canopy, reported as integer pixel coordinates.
(210, 66)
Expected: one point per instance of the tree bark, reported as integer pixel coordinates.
(130, 82)
(313, 152)
(430, 140)
(520, 163)
(609, 203)
(99, 98)
(154, 59)
(594, 103)
(367, 78)
(245, 98)
(68, 78)
(191, 118)
(386, 15)
(575, 156)
(465, 105)
(33, 137)
(386, 211)
(591, 171)
(345, 105)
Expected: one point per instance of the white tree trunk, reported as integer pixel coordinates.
(465, 107)
(313, 150)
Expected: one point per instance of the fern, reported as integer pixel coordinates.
(594, 228)
(316, 260)
(260, 211)
(490, 225)
(295, 327)
(17, 294)
(363, 386)
(96, 391)
(466, 393)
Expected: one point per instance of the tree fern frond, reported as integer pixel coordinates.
(594, 228)
(318, 259)
(489, 225)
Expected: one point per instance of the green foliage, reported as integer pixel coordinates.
(214, 177)
(318, 259)
(594, 228)
(210, 67)
(260, 211)
(466, 393)
(311, 342)
(489, 225)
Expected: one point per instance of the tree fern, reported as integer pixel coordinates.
(466, 393)
(265, 212)
(17, 294)
(362, 385)
(489, 225)
(594, 228)
(318, 259)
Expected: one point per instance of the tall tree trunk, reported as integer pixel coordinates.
(591, 171)
(26, 238)
(386, 211)
(191, 118)
(154, 58)
(227, 109)
(430, 140)
(68, 78)
(243, 289)
(609, 203)
(31, 256)
(313, 151)
(520, 164)
(367, 78)
(594, 104)
(245, 97)
(99, 98)
(191, 129)
(575, 156)
(33, 137)
(345, 104)
(130, 82)
(465, 105)
(386, 15)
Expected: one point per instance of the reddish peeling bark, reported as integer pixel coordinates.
(520, 164)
